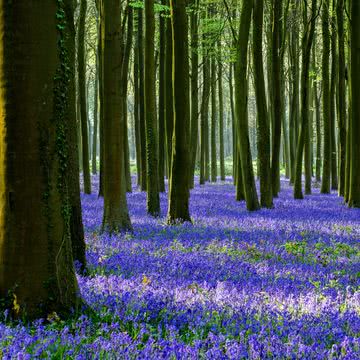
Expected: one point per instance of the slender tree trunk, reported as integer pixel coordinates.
(162, 110)
(142, 101)
(307, 41)
(169, 101)
(263, 141)
(180, 163)
(76, 224)
(341, 96)
(194, 89)
(221, 116)
(204, 119)
(124, 88)
(278, 103)
(152, 170)
(241, 96)
(326, 170)
(82, 97)
(213, 121)
(136, 112)
(95, 132)
(333, 85)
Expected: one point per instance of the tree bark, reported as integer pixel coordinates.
(36, 263)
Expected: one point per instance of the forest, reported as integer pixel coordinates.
(180, 179)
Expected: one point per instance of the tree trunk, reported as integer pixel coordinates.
(263, 141)
(341, 96)
(36, 263)
(278, 103)
(180, 165)
(204, 118)
(213, 121)
(82, 97)
(333, 85)
(326, 170)
(221, 116)
(116, 216)
(354, 185)
(194, 90)
(162, 110)
(241, 97)
(307, 41)
(142, 101)
(152, 170)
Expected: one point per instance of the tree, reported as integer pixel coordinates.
(116, 216)
(194, 88)
(213, 120)
(36, 263)
(354, 184)
(326, 170)
(341, 96)
(82, 97)
(221, 115)
(263, 141)
(276, 91)
(180, 163)
(307, 41)
(152, 182)
(73, 185)
(241, 96)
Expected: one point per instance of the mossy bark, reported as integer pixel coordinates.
(354, 129)
(221, 115)
(36, 262)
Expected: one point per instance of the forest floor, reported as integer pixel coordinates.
(281, 283)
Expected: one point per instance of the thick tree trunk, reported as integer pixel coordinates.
(116, 216)
(180, 163)
(354, 184)
(36, 262)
